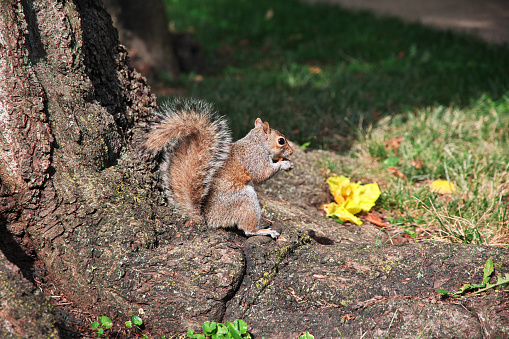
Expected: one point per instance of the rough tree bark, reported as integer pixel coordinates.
(80, 210)
(74, 196)
(69, 102)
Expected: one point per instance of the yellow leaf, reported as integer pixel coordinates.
(341, 212)
(351, 198)
(339, 188)
(368, 194)
(442, 187)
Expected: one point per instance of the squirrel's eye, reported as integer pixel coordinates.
(281, 141)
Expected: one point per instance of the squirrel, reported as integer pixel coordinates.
(206, 174)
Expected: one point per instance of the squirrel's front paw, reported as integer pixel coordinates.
(286, 165)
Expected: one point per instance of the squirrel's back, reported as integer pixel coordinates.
(192, 136)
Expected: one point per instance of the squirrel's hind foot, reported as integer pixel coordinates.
(266, 231)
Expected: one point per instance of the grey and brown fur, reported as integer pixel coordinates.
(207, 175)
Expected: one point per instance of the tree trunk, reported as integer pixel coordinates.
(75, 199)
(69, 107)
(24, 310)
(144, 29)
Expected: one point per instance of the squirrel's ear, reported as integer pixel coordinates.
(258, 122)
(266, 128)
(264, 125)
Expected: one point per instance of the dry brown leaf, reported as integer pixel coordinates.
(393, 143)
(417, 163)
(375, 219)
(396, 172)
(347, 317)
(197, 78)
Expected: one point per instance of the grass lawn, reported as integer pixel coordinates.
(389, 97)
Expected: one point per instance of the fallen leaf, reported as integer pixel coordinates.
(270, 14)
(375, 219)
(396, 172)
(417, 163)
(442, 187)
(347, 317)
(315, 70)
(393, 143)
(197, 78)
(350, 198)
(341, 212)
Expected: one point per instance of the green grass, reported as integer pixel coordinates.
(369, 66)
(335, 78)
(469, 147)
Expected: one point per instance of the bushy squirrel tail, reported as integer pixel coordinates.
(195, 142)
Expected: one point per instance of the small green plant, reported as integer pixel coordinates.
(236, 330)
(104, 323)
(135, 320)
(484, 285)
